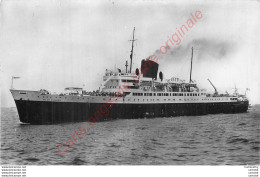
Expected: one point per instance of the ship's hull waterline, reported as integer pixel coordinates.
(47, 112)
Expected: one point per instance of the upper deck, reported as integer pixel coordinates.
(132, 98)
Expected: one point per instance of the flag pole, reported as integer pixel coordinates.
(12, 82)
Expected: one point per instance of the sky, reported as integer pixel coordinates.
(53, 44)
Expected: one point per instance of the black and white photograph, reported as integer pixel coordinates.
(142, 83)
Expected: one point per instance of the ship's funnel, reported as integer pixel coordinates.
(149, 68)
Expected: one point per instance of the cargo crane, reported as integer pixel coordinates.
(216, 91)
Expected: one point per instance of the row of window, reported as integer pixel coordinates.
(166, 94)
(168, 100)
(174, 100)
(124, 80)
(112, 80)
(132, 81)
(210, 99)
(111, 87)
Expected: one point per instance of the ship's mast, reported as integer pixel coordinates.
(132, 51)
(235, 91)
(126, 64)
(191, 63)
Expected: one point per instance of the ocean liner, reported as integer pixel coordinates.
(126, 95)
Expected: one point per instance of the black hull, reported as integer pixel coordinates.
(36, 112)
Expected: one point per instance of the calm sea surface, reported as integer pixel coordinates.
(223, 139)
